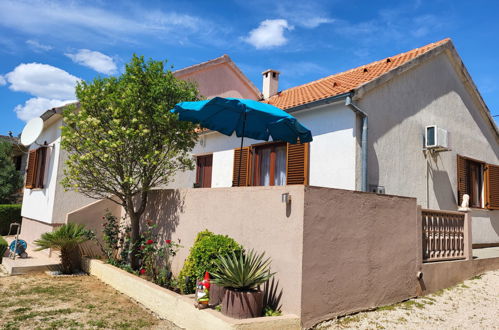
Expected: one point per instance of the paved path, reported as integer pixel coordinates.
(474, 304)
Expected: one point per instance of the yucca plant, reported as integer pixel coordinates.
(67, 239)
(242, 271)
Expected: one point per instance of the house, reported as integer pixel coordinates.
(45, 203)
(368, 125)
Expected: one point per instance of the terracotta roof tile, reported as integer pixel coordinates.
(345, 81)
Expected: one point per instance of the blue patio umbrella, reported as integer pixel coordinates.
(247, 118)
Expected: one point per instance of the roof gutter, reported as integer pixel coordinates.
(357, 110)
(327, 100)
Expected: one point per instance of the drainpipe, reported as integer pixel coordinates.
(356, 109)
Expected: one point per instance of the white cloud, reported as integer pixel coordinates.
(270, 33)
(2, 81)
(42, 80)
(94, 60)
(38, 47)
(313, 22)
(307, 14)
(91, 23)
(34, 107)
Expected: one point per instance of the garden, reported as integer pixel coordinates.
(219, 272)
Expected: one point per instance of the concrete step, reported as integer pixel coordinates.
(36, 262)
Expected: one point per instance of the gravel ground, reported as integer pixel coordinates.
(81, 302)
(473, 304)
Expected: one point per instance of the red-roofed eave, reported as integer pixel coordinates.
(345, 81)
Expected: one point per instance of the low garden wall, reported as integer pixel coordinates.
(91, 216)
(177, 308)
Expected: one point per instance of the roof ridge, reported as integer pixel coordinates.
(220, 58)
(429, 46)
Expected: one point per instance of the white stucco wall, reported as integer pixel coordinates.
(332, 153)
(430, 94)
(38, 204)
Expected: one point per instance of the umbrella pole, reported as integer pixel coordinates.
(241, 152)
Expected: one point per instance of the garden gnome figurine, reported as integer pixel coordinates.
(203, 292)
(465, 205)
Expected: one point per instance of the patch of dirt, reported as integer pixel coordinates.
(473, 304)
(41, 301)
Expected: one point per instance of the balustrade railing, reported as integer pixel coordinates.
(446, 235)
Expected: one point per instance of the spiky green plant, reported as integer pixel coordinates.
(67, 239)
(242, 271)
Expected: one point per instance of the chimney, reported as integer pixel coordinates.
(270, 83)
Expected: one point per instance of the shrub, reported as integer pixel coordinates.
(3, 247)
(9, 213)
(203, 254)
(67, 239)
(242, 271)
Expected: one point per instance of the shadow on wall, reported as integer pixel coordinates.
(164, 208)
(441, 184)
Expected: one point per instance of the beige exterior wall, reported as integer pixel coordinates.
(429, 94)
(31, 229)
(255, 217)
(220, 80)
(91, 216)
(360, 251)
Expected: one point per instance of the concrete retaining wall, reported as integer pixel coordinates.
(441, 275)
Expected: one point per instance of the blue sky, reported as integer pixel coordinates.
(48, 45)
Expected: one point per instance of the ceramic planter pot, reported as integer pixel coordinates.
(216, 294)
(242, 304)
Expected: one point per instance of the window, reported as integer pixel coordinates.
(480, 181)
(203, 171)
(271, 164)
(36, 168)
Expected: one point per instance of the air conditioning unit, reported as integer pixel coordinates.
(436, 138)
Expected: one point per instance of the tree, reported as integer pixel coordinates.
(10, 179)
(122, 139)
(67, 239)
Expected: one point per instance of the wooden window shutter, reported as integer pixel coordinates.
(463, 184)
(41, 159)
(243, 158)
(297, 163)
(31, 169)
(492, 187)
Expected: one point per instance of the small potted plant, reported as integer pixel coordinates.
(241, 274)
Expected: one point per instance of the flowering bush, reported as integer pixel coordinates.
(156, 257)
(116, 237)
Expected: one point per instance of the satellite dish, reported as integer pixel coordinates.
(32, 131)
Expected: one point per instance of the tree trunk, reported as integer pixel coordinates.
(135, 238)
(70, 260)
(135, 216)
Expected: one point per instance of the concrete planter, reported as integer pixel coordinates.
(242, 304)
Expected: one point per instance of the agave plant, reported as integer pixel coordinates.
(242, 271)
(67, 239)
